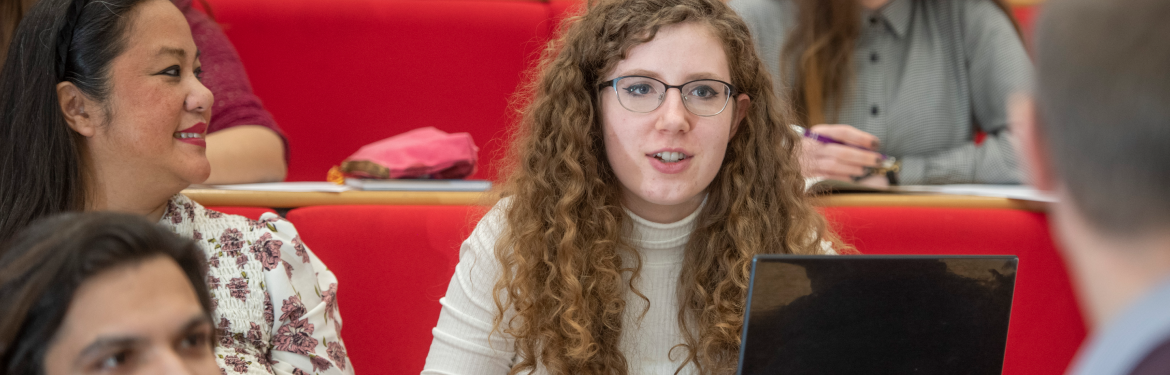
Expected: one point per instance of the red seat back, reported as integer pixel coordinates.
(1046, 325)
(340, 74)
(393, 263)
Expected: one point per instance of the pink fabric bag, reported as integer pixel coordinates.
(419, 153)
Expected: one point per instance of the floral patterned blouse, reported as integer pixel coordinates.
(274, 302)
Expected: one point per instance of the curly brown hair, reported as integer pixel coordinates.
(561, 249)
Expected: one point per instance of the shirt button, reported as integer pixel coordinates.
(873, 110)
(873, 21)
(873, 57)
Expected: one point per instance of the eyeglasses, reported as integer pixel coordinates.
(704, 97)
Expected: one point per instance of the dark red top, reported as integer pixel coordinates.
(224, 75)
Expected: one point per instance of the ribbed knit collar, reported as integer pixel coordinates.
(662, 243)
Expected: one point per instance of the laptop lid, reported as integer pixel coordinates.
(877, 314)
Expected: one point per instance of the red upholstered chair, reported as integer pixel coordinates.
(1046, 325)
(248, 212)
(340, 74)
(393, 264)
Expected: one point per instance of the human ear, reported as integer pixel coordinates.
(742, 104)
(73, 106)
(1030, 145)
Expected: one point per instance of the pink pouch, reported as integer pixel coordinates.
(419, 153)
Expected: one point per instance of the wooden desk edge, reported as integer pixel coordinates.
(211, 197)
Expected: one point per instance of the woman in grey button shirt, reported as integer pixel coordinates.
(915, 79)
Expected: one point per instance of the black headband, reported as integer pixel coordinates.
(65, 36)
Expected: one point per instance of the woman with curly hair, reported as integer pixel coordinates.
(652, 162)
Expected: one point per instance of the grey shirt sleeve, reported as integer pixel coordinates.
(998, 66)
(946, 68)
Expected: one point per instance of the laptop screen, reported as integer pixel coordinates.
(877, 314)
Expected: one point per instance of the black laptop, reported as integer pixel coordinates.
(877, 314)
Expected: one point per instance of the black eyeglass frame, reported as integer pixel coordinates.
(613, 84)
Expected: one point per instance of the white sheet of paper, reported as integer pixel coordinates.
(1022, 192)
(297, 186)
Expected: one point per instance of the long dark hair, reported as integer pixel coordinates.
(11, 11)
(40, 156)
(819, 54)
(44, 265)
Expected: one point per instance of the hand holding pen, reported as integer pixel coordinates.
(842, 152)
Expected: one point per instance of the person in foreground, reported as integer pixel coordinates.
(915, 79)
(99, 293)
(1096, 136)
(102, 109)
(651, 164)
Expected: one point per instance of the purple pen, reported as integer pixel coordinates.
(827, 139)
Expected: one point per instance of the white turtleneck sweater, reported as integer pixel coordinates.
(462, 344)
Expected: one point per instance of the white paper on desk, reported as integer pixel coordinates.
(296, 187)
(1021, 192)
(418, 185)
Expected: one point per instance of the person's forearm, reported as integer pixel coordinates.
(245, 154)
(993, 162)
